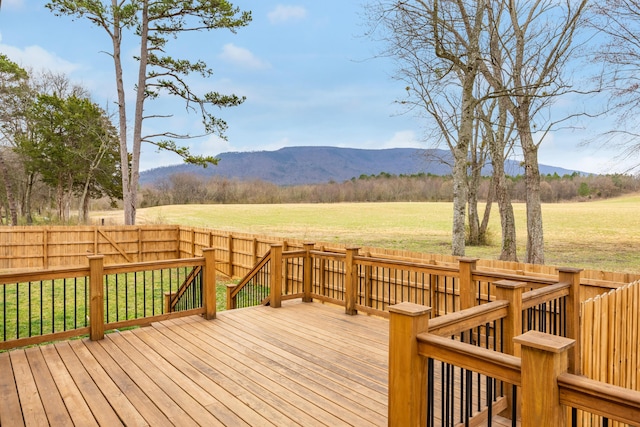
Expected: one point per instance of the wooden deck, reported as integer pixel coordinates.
(303, 364)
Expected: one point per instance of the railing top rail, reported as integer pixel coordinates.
(153, 265)
(67, 273)
(487, 362)
(330, 255)
(247, 278)
(548, 293)
(614, 402)
(384, 262)
(464, 320)
(293, 254)
(37, 275)
(493, 276)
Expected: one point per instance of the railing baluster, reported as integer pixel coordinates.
(430, 393)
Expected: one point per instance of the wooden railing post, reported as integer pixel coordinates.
(544, 358)
(468, 288)
(230, 302)
(96, 297)
(167, 302)
(508, 290)
(276, 276)
(351, 282)
(307, 272)
(407, 368)
(572, 276)
(209, 283)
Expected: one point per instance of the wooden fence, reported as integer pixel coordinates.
(236, 253)
(611, 347)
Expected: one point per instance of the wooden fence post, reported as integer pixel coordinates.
(276, 276)
(209, 283)
(96, 297)
(468, 288)
(407, 368)
(512, 327)
(351, 282)
(230, 248)
(307, 272)
(544, 358)
(572, 276)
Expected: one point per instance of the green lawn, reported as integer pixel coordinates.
(594, 235)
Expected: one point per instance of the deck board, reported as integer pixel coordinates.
(300, 365)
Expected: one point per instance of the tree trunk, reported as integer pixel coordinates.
(473, 238)
(27, 198)
(8, 185)
(60, 201)
(484, 225)
(128, 197)
(137, 124)
(472, 196)
(535, 236)
(508, 250)
(459, 203)
(83, 208)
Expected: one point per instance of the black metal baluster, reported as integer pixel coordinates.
(53, 306)
(75, 303)
(469, 399)
(430, 394)
(64, 304)
(4, 313)
(106, 293)
(489, 392)
(30, 310)
(514, 407)
(41, 306)
(17, 311)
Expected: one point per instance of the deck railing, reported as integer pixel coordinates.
(50, 305)
(372, 284)
(478, 382)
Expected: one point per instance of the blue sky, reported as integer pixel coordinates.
(309, 74)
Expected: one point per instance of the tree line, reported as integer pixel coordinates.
(58, 147)
(187, 188)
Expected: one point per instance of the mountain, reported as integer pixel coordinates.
(314, 165)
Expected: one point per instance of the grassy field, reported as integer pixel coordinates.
(594, 235)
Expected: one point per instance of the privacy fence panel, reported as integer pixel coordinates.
(610, 344)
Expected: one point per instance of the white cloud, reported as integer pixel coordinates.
(284, 13)
(212, 146)
(39, 59)
(402, 139)
(242, 57)
(13, 4)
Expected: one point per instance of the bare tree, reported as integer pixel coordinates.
(531, 43)
(618, 22)
(497, 131)
(437, 44)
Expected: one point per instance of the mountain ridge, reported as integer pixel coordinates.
(321, 164)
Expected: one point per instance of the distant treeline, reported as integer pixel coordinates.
(186, 188)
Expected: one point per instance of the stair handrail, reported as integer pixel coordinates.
(234, 290)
